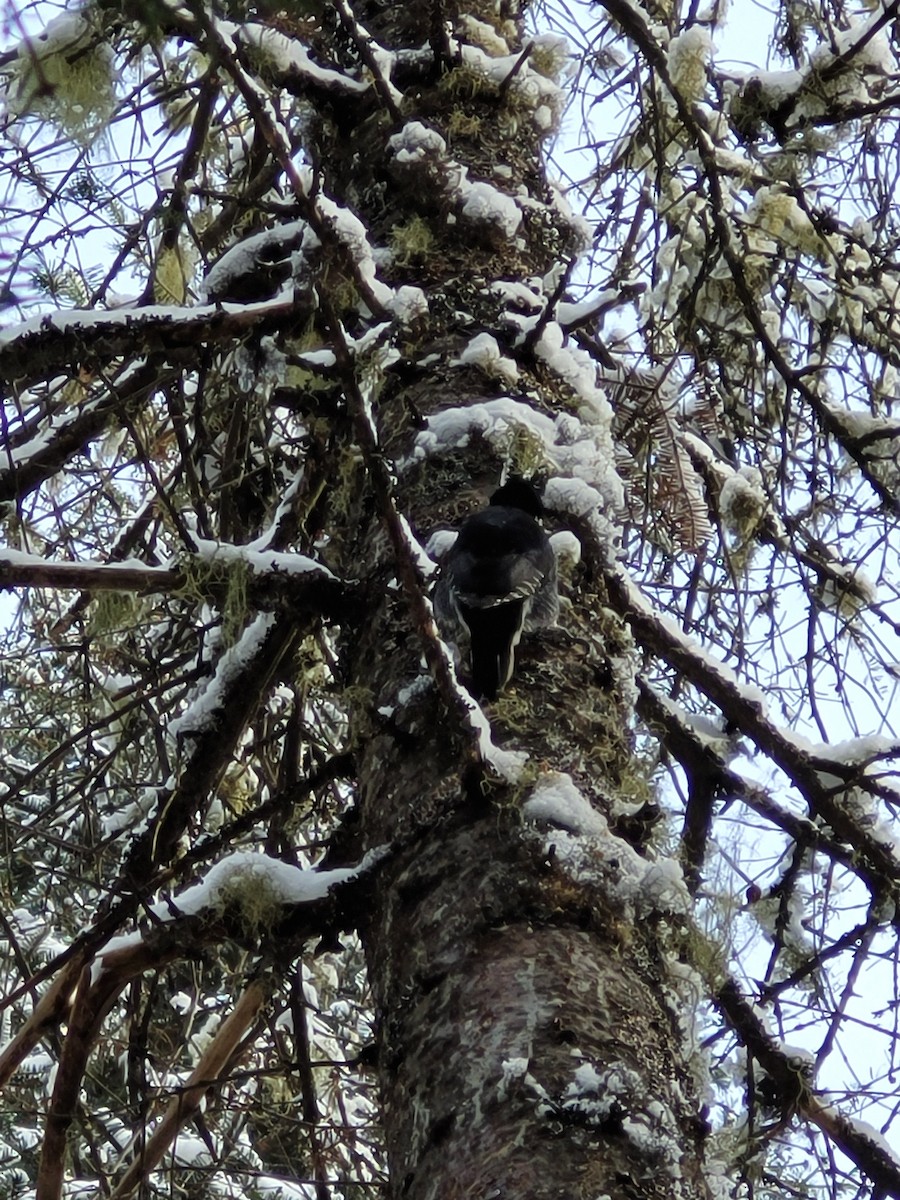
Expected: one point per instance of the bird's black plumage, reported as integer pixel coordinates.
(498, 579)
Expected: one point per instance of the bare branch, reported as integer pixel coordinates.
(213, 1065)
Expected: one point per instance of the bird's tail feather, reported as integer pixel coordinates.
(494, 633)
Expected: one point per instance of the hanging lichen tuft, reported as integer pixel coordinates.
(173, 273)
(65, 75)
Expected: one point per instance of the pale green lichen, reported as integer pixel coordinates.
(235, 608)
(173, 273)
(551, 56)
(112, 611)
(467, 83)
(252, 899)
(743, 503)
(463, 124)
(525, 451)
(411, 241)
(66, 76)
(688, 59)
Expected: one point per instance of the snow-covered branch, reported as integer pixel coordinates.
(790, 1075)
(273, 578)
(44, 346)
(819, 774)
(248, 896)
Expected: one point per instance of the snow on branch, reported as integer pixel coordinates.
(245, 895)
(841, 82)
(379, 61)
(590, 853)
(536, 91)
(206, 709)
(333, 224)
(294, 66)
(45, 345)
(826, 777)
(419, 156)
(703, 754)
(576, 450)
(264, 257)
(790, 1074)
(37, 450)
(275, 579)
(208, 731)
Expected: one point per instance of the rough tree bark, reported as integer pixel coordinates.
(530, 1034)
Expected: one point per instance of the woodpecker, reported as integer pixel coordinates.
(498, 580)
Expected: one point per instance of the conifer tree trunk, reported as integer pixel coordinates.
(531, 1039)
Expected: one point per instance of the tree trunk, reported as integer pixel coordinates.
(532, 1041)
(532, 1036)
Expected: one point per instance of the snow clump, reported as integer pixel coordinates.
(483, 204)
(484, 352)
